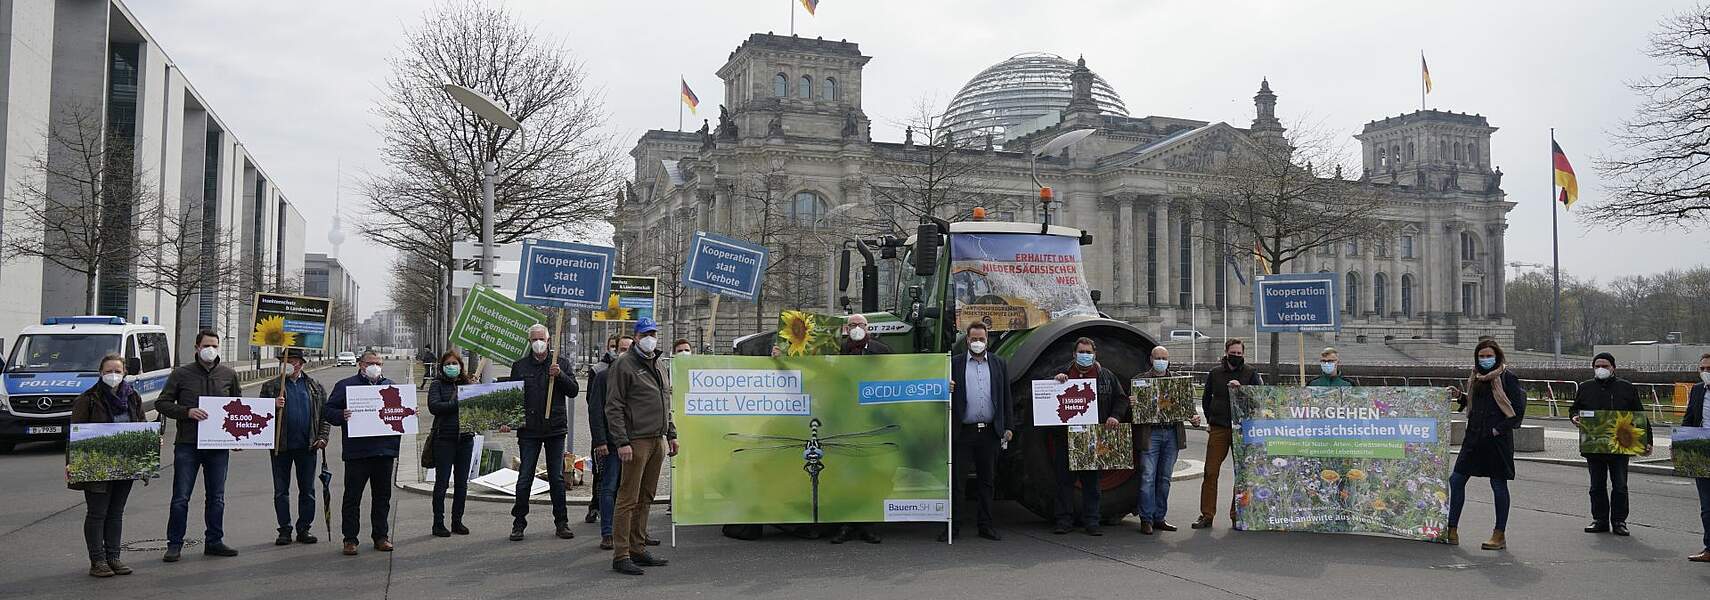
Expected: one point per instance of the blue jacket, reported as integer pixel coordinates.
(362, 447)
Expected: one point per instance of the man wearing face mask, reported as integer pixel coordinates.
(301, 433)
(367, 460)
(607, 468)
(638, 422)
(1695, 418)
(1156, 446)
(542, 432)
(596, 468)
(1112, 411)
(1605, 391)
(1222, 382)
(858, 340)
(980, 411)
(180, 400)
(1330, 362)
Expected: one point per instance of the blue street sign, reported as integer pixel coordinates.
(564, 274)
(1297, 302)
(725, 266)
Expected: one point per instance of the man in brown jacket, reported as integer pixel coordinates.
(638, 422)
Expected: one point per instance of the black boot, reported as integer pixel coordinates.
(627, 567)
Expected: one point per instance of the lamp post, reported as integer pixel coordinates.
(1054, 146)
(488, 110)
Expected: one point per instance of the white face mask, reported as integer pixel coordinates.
(1705, 376)
(538, 346)
(372, 372)
(857, 333)
(1601, 373)
(683, 354)
(648, 344)
(112, 379)
(977, 347)
(209, 353)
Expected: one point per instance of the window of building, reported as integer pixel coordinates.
(1379, 285)
(804, 88)
(1384, 250)
(806, 208)
(1407, 296)
(1327, 250)
(1382, 158)
(1460, 153)
(1469, 248)
(1469, 295)
(1395, 153)
(1472, 153)
(1443, 150)
(828, 91)
(1352, 282)
(780, 85)
(1410, 151)
(1353, 248)
(1407, 246)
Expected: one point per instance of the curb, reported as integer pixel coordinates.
(1634, 467)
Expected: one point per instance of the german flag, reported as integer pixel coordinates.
(810, 5)
(689, 95)
(1564, 176)
(1260, 260)
(1425, 72)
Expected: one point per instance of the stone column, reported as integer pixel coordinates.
(1499, 272)
(1166, 255)
(1197, 273)
(1392, 291)
(1142, 253)
(1125, 239)
(1450, 269)
(1368, 272)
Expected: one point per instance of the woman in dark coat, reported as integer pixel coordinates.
(110, 400)
(1495, 409)
(451, 445)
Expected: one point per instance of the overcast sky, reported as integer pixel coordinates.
(297, 81)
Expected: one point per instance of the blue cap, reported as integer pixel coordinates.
(645, 325)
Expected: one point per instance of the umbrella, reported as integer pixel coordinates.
(326, 493)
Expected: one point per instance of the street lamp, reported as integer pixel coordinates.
(490, 111)
(1054, 146)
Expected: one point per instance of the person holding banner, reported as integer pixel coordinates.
(300, 401)
(181, 400)
(547, 383)
(110, 400)
(1156, 446)
(858, 340)
(452, 447)
(1330, 363)
(607, 467)
(1495, 404)
(638, 422)
(1221, 383)
(1112, 411)
(595, 467)
(980, 411)
(368, 461)
(1608, 472)
(1695, 418)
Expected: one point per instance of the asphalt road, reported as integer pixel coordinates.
(42, 555)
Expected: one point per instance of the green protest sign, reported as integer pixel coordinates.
(810, 439)
(493, 325)
(1345, 459)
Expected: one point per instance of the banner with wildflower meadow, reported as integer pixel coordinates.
(1342, 460)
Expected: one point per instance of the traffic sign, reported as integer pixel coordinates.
(1298, 302)
(725, 266)
(565, 274)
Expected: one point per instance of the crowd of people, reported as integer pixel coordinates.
(632, 432)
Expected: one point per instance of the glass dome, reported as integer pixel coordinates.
(1018, 90)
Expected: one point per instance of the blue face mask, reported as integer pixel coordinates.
(1329, 368)
(451, 371)
(1160, 365)
(1084, 359)
(1487, 363)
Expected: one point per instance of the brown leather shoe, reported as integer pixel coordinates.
(383, 545)
(350, 548)
(1163, 526)
(1145, 528)
(1202, 523)
(1703, 557)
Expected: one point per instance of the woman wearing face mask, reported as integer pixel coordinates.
(110, 400)
(1495, 404)
(1695, 418)
(452, 447)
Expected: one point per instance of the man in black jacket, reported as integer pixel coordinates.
(980, 413)
(607, 467)
(1112, 411)
(181, 400)
(1220, 384)
(542, 432)
(1605, 391)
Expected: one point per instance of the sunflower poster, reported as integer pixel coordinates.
(284, 321)
(1353, 460)
(1613, 432)
(1690, 449)
(802, 333)
(631, 298)
(1100, 448)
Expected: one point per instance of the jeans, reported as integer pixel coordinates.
(1218, 439)
(103, 525)
(635, 497)
(1066, 480)
(531, 449)
(1608, 487)
(1458, 498)
(451, 463)
(1157, 464)
(975, 449)
(375, 473)
(186, 460)
(1704, 507)
(302, 460)
(611, 473)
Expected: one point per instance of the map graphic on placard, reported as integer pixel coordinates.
(392, 409)
(1072, 402)
(240, 422)
(236, 423)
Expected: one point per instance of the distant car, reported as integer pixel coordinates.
(347, 359)
(1187, 334)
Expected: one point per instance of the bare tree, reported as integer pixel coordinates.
(559, 182)
(935, 175)
(1662, 175)
(415, 291)
(191, 259)
(663, 254)
(1267, 198)
(769, 219)
(82, 205)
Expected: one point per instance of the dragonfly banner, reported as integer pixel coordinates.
(1342, 459)
(827, 439)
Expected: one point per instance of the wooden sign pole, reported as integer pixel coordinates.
(552, 359)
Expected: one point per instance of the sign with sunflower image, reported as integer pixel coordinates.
(283, 321)
(631, 298)
(1613, 432)
(802, 333)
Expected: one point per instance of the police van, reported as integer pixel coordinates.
(50, 364)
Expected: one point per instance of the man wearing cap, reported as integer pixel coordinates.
(638, 424)
(301, 432)
(542, 432)
(1605, 391)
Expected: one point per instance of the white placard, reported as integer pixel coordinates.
(380, 410)
(236, 423)
(504, 481)
(1073, 402)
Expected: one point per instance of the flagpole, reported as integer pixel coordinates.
(680, 86)
(1555, 256)
(792, 17)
